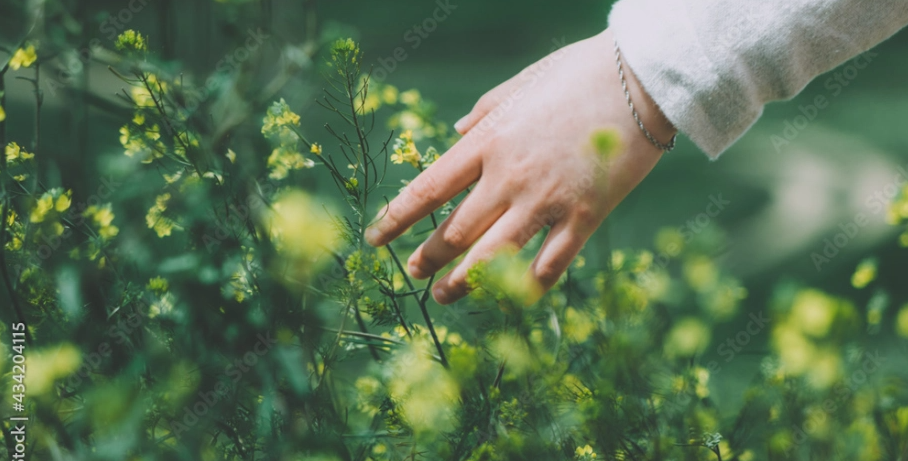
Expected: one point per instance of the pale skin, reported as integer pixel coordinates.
(527, 153)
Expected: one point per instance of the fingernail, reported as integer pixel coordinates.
(461, 124)
(415, 271)
(440, 295)
(373, 236)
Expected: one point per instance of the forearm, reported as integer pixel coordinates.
(711, 65)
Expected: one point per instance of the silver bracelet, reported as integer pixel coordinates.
(663, 147)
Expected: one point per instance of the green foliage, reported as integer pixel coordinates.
(213, 307)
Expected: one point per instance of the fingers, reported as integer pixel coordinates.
(447, 177)
(558, 251)
(473, 217)
(564, 242)
(511, 231)
(486, 104)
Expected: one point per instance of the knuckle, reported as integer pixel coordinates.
(486, 102)
(424, 189)
(454, 237)
(586, 215)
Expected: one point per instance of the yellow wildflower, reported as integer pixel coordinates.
(585, 453)
(45, 366)
(405, 150)
(389, 94)
(283, 160)
(131, 40)
(279, 116)
(688, 337)
(43, 205)
(410, 97)
(14, 153)
(901, 322)
(23, 57)
(103, 217)
(864, 273)
(158, 285)
(156, 220)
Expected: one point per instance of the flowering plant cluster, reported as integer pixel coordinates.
(213, 306)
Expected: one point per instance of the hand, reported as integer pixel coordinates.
(528, 148)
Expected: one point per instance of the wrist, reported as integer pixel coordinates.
(654, 121)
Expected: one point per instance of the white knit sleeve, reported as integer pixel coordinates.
(711, 65)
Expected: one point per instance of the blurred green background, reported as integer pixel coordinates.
(783, 203)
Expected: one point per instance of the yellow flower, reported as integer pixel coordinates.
(2, 114)
(102, 216)
(142, 97)
(283, 160)
(814, 311)
(279, 116)
(428, 394)
(370, 104)
(14, 153)
(63, 202)
(578, 326)
(405, 150)
(48, 365)
(156, 220)
(231, 155)
(316, 149)
(44, 205)
(688, 337)
(864, 273)
(669, 241)
(158, 285)
(410, 97)
(301, 229)
(585, 453)
(389, 94)
(131, 40)
(901, 323)
(702, 387)
(701, 273)
(23, 57)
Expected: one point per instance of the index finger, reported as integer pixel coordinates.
(448, 176)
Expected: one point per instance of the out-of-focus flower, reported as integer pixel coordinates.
(584, 453)
(427, 393)
(901, 322)
(864, 273)
(302, 232)
(279, 117)
(45, 366)
(131, 40)
(155, 219)
(687, 338)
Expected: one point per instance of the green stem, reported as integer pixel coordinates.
(422, 306)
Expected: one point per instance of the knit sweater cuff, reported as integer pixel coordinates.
(700, 98)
